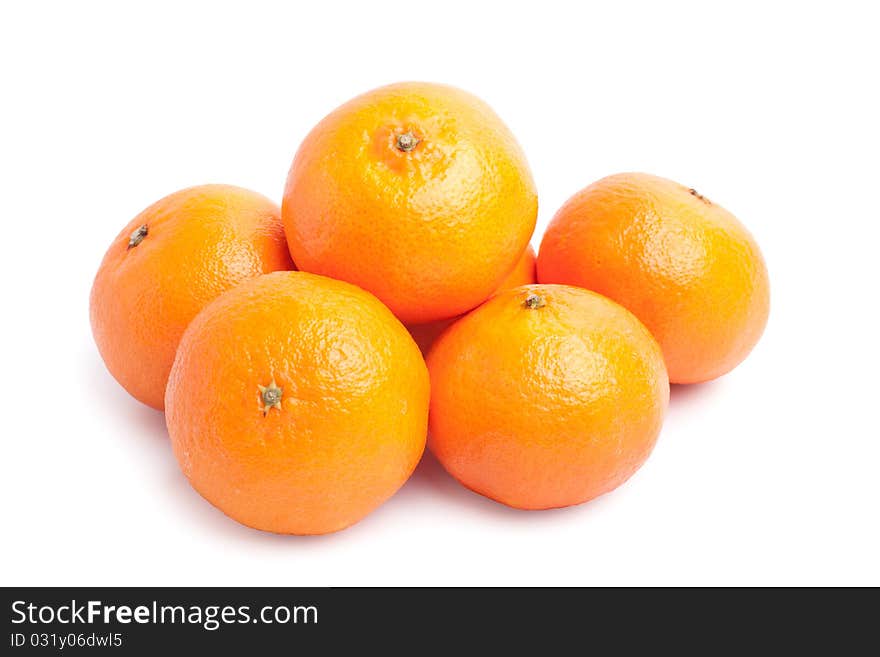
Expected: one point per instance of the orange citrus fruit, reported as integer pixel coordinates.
(297, 404)
(166, 265)
(415, 192)
(545, 396)
(682, 264)
(522, 274)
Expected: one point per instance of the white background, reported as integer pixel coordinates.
(767, 476)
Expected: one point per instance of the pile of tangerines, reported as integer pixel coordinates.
(304, 355)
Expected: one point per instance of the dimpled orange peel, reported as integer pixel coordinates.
(681, 263)
(166, 265)
(545, 396)
(297, 404)
(416, 192)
